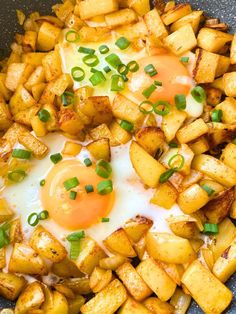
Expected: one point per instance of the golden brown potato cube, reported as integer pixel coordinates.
(99, 279)
(52, 124)
(181, 40)
(26, 116)
(192, 131)
(69, 121)
(155, 25)
(21, 100)
(57, 305)
(13, 132)
(233, 51)
(5, 211)
(120, 134)
(71, 148)
(66, 291)
(218, 83)
(112, 262)
(100, 149)
(175, 271)
(140, 248)
(30, 39)
(61, 84)
(52, 65)
(183, 226)
(73, 21)
(157, 306)
(165, 196)
(206, 66)
(151, 138)
(229, 155)
(172, 122)
(212, 40)
(211, 295)
(180, 301)
(47, 97)
(228, 107)
(78, 285)
(88, 8)
(75, 304)
(31, 298)
(38, 148)
(229, 84)
(119, 243)
(106, 301)
(45, 244)
(141, 7)
(94, 34)
(15, 233)
(37, 77)
(25, 260)
(47, 36)
(5, 92)
(17, 73)
(146, 167)
(213, 95)
(63, 10)
(103, 132)
(176, 13)
(120, 18)
(169, 248)
(223, 65)
(137, 227)
(3, 261)
(217, 187)
(225, 265)
(156, 278)
(193, 18)
(38, 126)
(66, 269)
(37, 90)
(5, 116)
(11, 285)
(134, 31)
(33, 58)
(192, 178)
(133, 307)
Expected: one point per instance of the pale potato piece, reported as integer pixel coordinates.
(155, 24)
(112, 262)
(47, 36)
(137, 227)
(165, 196)
(140, 6)
(89, 9)
(100, 149)
(75, 304)
(133, 307)
(212, 40)
(5, 211)
(192, 131)
(176, 13)
(58, 304)
(229, 84)
(158, 307)
(172, 122)
(181, 301)
(11, 285)
(193, 18)
(66, 269)
(99, 279)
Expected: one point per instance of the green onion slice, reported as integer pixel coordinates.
(126, 125)
(75, 236)
(105, 219)
(210, 229)
(150, 70)
(89, 188)
(208, 189)
(103, 169)
(173, 145)
(122, 69)
(88, 162)
(91, 60)
(148, 91)
(73, 195)
(198, 94)
(105, 187)
(56, 158)
(87, 51)
(74, 250)
(107, 69)
(123, 43)
(103, 49)
(4, 236)
(117, 83)
(184, 59)
(42, 182)
(78, 74)
(146, 107)
(44, 115)
(113, 60)
(158, 83)
(97, 78)
(124, 78)
(216, 115)
(177, 158)
(43, 215)
(133, 66)
(166, 175)
(72, 36)
(21, 153)
(67, 98)
(180, 101)
(33, 219)
(161, 108)
(93, 70)
(71, 183)
(16, 175)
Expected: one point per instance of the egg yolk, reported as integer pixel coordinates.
(87, 209)
(172, 74)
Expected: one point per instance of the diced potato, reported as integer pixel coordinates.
(229, 84)
(192, 131)
(99, 279)
(148, 168)
(100, 149)
(45, 244)
(119, 243)
(47, 97)
(228, 107)
(233, 210)
(165, 196)
(175, 271)
(134, 31)
(193, 18)
(29, 40)
(21, 100)
(17, 73)
(31, 298)
(73, 21)
(37, 77)
(155, 24)
(52, 66)
(212, 40)
(133, 282)
(133, 307)
(89, 256)
(218, 83)
(225, 265)
(66, 269)
(140, 247)
(120, 18)
(88, 8)
(38, 126)
(200, 146)
(211, 295)
(57, 305)
(103, 132)
(181, 40)
(120, 134)
(33, 58)
(71, 148)
(47, 36)
(52, 124)
(169, 248)
(3, 261)
(215, 169)
(157, 306)
(151, 138)
(206, 66)
(94, 34)
(223, 65)
(233, 51)
(112, 262)
(192, 178)
(25, 260)
(183, 226)
(106, 301)
(180, 301)
(176, 13)
(172, 122)
(66, 291)
(26, 116)
(137, 227)
(75, 304)
(4, 91)
(63, 10)
(61, 84)
(78, 285)
(141, 7)
(11, 285)
(220, 133)
(156, 278)
(37, 90)
(214, 95)
(69, 121)
(5, 211)
(196, 244)
(217, 187)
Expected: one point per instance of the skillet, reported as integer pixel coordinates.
(223, 9)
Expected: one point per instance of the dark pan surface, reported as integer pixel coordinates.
(223, 9)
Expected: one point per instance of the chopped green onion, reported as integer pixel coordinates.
(56, 158)
(180, 101)
(44, 115)
(4, 237)
(124, 78)
(113, 60)
(75, 236)
(42, 182)
(43, 215)
(123, 69)
(73, 195)
(97, 78)
(91, 60)
(107, 69)
(128, 126)
(150, 69)
(173, 145)
(166, 175)
(234, 141)
(164, 108)
(184, 59)
(67, 98)
(105, 187)
(133, 66)
(103, 169)
(198, 94)
(117, 83)
(94, 70)
(71, 183)
(122, 43)
(103, 49)
(21, 153)
(105, 219)
(216, 115)
(33, 219)
(158, 83)
(78, 74)
(89, 188)
(148, 91)
(72, 36)
(208, 189)
(210, 229)
(16, 175)
(146, 107)
(87, 51)
(175, 159)
(74, 250)
(88, 162)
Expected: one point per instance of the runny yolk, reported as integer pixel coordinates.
(87, 209)
(172, 74)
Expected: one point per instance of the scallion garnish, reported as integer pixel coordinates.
(210, 229)
(93, 70)
(198, 94)
(105, 187)
(88, 162)
(184, 59)
(43, 215)
(123, 69)
(161, 108)
(133, 66)
(44, 115)
(164, 177)
(103, 169)
(177, 158)
(67, 98)
(72, 36)
(103, 49)
(78, 74)
(42, 182)
(107, 69)
(21, 153)
(117, 83)
(180, 101)
(33, 219)
(208, 189)
(74, 239)
(73, 195)
(97, 78)
(71, 183)
(56, 158)
(91, 60)
(148, 91)
(89, 188)
(105, 219)
(173, 145)
(216, 115)
(150, 69)
(126, 125)
(122, 43)
(124, 78)
(16, 175)
(87, 51)
(75, 236)
(146, 107)
(4, 235)
(113, 60)
(158, 83)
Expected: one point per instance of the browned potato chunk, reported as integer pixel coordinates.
(57, 305)
(172, 122)
(137, 227)
(228, 107)
(121, 135)
(122, 17)
(133, 307)
(38, 148)
(206, 66)
(192, 131)
(17, 73)
(26, 116)
(151, 139)
(212, 40)
(78, 285)
(176, 13)
(213, 96)
(5, 211)
(100, 149)
(233, 51)
(4, 91)
(102, 131)
(47, 36)
(3, 261)
(88, 8)
(181, 301)
(11, 285)
(66, 291)
(193, 18)
(75, 304)
(155, 25)
(21, 100)
(140, 6)
(72, 148)
(223, 65)
(99, 279)
(33, 58)
(66, 269)
(165, 196)
(158, 307)
(70, 122)
(183, 226)
(52, 65)
(229, 84)
(134, 31)
(94, 34)
(63, 10)
(112, 262)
